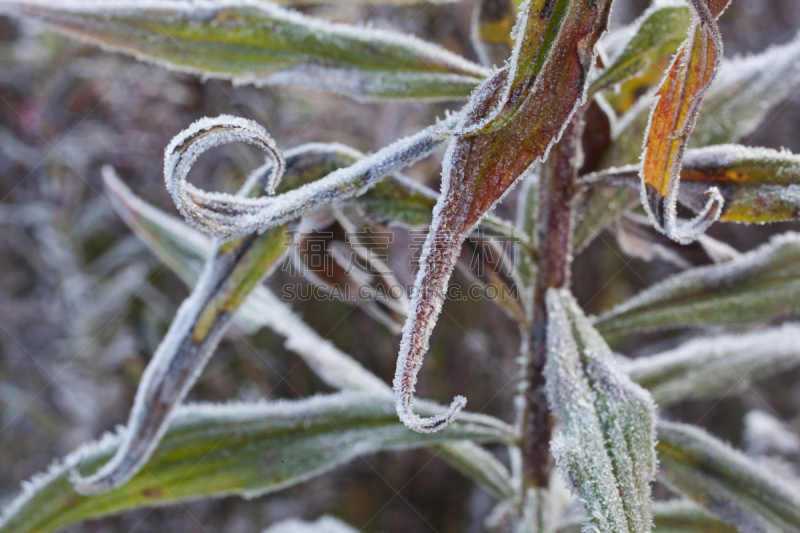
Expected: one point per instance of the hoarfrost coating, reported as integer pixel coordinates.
(605, 448)
(227, 217)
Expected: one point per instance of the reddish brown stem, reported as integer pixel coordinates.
(554, 237)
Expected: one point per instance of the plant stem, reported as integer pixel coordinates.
(554, 238)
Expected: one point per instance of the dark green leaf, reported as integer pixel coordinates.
(760, 285)
(726, 482)
(263, 44)
(219, 450)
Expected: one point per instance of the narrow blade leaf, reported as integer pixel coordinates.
(673, 118)
(230, 274)
(760, 285)
(510, 122)
(726, 482)
(183, 249)
(227, 217)
(713, 367)
(658, 35)
(737, 103)
(220, 450)
(746, 90)
(605, 448)
(263, 44)
(758, 184)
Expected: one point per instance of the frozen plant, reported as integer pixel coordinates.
(598, 135)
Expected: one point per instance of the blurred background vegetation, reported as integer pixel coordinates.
(83, 303)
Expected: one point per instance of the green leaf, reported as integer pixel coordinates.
(219, 450)
(760, 285)
(745, 93)
(659, 33)
(758, 184)
(674, 516)
(605, 448)
(263, 44)
(231, 272)
(596, 208)
(527, 214)
(183, 249)
(726, 482)
(713, 367)
(397, 200)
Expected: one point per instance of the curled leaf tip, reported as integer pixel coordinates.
(510, 121)
(112, 475)
(218, 214)
(672, 121)
(430, 424)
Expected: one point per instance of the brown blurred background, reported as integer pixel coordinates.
(83, 304)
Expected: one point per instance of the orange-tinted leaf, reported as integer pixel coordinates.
(672, 120)
(759, 185)
(506, 126)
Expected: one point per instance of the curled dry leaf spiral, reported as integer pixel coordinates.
(671, 123)
(227, 217)
(510, 122)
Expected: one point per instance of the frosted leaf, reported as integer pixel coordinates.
(500, 134)
(656, 35)
(227, 217)
(761, 284)
(325, 524)
(184, 250)
(766, 435)
(243, 449)
(597, 207)
(758, 184)
(527, 214)
(726, 482)
(202, 209)
(715, 366)
(257, 42)
(673, 516)
(672, 120)
(745, 92)
(740, 99)
(604, 447)
(229, 274)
